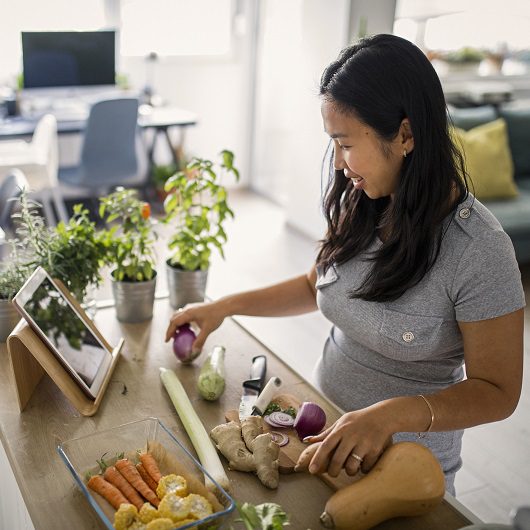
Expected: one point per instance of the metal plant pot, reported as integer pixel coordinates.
(9, 317)
(134, 300)
(185, 287)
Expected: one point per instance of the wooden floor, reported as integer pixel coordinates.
(262, 249)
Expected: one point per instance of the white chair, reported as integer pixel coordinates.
(11, 188)
(39, 160)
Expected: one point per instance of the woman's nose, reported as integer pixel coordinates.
(338, 160)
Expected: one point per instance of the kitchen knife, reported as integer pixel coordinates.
(253, 386)
(258, 371)
(256, 405)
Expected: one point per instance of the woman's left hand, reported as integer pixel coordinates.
(354, 442)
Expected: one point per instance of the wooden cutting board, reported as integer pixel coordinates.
(290, 452)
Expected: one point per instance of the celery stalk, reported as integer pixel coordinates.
(199, 437)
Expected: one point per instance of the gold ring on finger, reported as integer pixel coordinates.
(357, 457)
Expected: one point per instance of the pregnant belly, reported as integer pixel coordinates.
(360, 377)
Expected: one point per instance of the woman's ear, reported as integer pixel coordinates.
(405, 135)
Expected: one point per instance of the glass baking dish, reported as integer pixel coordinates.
(81, 454)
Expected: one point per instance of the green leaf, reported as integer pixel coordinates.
(266, 516)
(228, 158)
(249, 516)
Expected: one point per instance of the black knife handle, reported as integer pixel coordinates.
(258, 372)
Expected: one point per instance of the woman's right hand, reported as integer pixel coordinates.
(208, 317)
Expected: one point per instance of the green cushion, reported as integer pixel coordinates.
(472, 117)
(518, 121)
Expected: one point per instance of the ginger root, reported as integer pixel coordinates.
(251, 427)
(255, 452)
(266, 454)
(227, 438)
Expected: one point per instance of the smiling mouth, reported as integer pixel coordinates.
(358, 182)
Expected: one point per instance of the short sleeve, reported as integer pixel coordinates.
(487, 283)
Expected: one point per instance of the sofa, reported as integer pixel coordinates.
(514, 212)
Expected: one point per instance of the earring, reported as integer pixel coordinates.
(404, 153)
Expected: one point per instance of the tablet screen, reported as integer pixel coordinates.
(64, 328)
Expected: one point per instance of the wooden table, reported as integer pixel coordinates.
(135, 392)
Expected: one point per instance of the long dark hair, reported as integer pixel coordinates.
(381, 80)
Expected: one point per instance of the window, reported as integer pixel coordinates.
(176, 27)
(491, 35)
(51, 15)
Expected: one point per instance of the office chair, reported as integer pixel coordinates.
(39, 161)
(111, 154)
(10, 189)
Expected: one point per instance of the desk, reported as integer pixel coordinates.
(161, 120)
(49, 492)
(158, 119)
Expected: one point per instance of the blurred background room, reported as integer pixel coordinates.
(243, 75)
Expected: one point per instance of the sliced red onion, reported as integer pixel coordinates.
(310, 420)
(279, 438)
(281, 418)
(267, 418)
(182, 342)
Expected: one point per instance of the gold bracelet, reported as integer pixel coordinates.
(423, 434)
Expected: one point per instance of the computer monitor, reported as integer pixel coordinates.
(68, 58)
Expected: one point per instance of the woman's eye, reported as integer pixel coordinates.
(344, 147)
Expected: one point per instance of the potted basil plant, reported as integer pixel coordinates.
(131, 250)
(196, 207)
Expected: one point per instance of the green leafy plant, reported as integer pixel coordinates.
(131, 240)
(266, 516)
(161, 173)
(466, 54)
(197, 208)
(13, 273)
(74, 252)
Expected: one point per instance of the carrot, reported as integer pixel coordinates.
(147, 477)
(150, 465)
(115, 477)
(127, 469)
(109, 492)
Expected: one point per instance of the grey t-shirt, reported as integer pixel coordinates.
(413, 345)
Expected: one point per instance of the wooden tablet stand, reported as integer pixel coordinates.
(30, 358)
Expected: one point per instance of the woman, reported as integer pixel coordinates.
(415, 274)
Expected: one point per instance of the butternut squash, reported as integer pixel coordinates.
(406, 481)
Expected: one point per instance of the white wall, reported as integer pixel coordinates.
(372, 16)
(216, 89)
(298, 40)
(325, 33)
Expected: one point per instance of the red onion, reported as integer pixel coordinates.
(279, 438)
(182, 342)
(274, 424)
(281, 419)
(310, 420)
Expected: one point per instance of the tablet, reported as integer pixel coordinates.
(64, 331)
